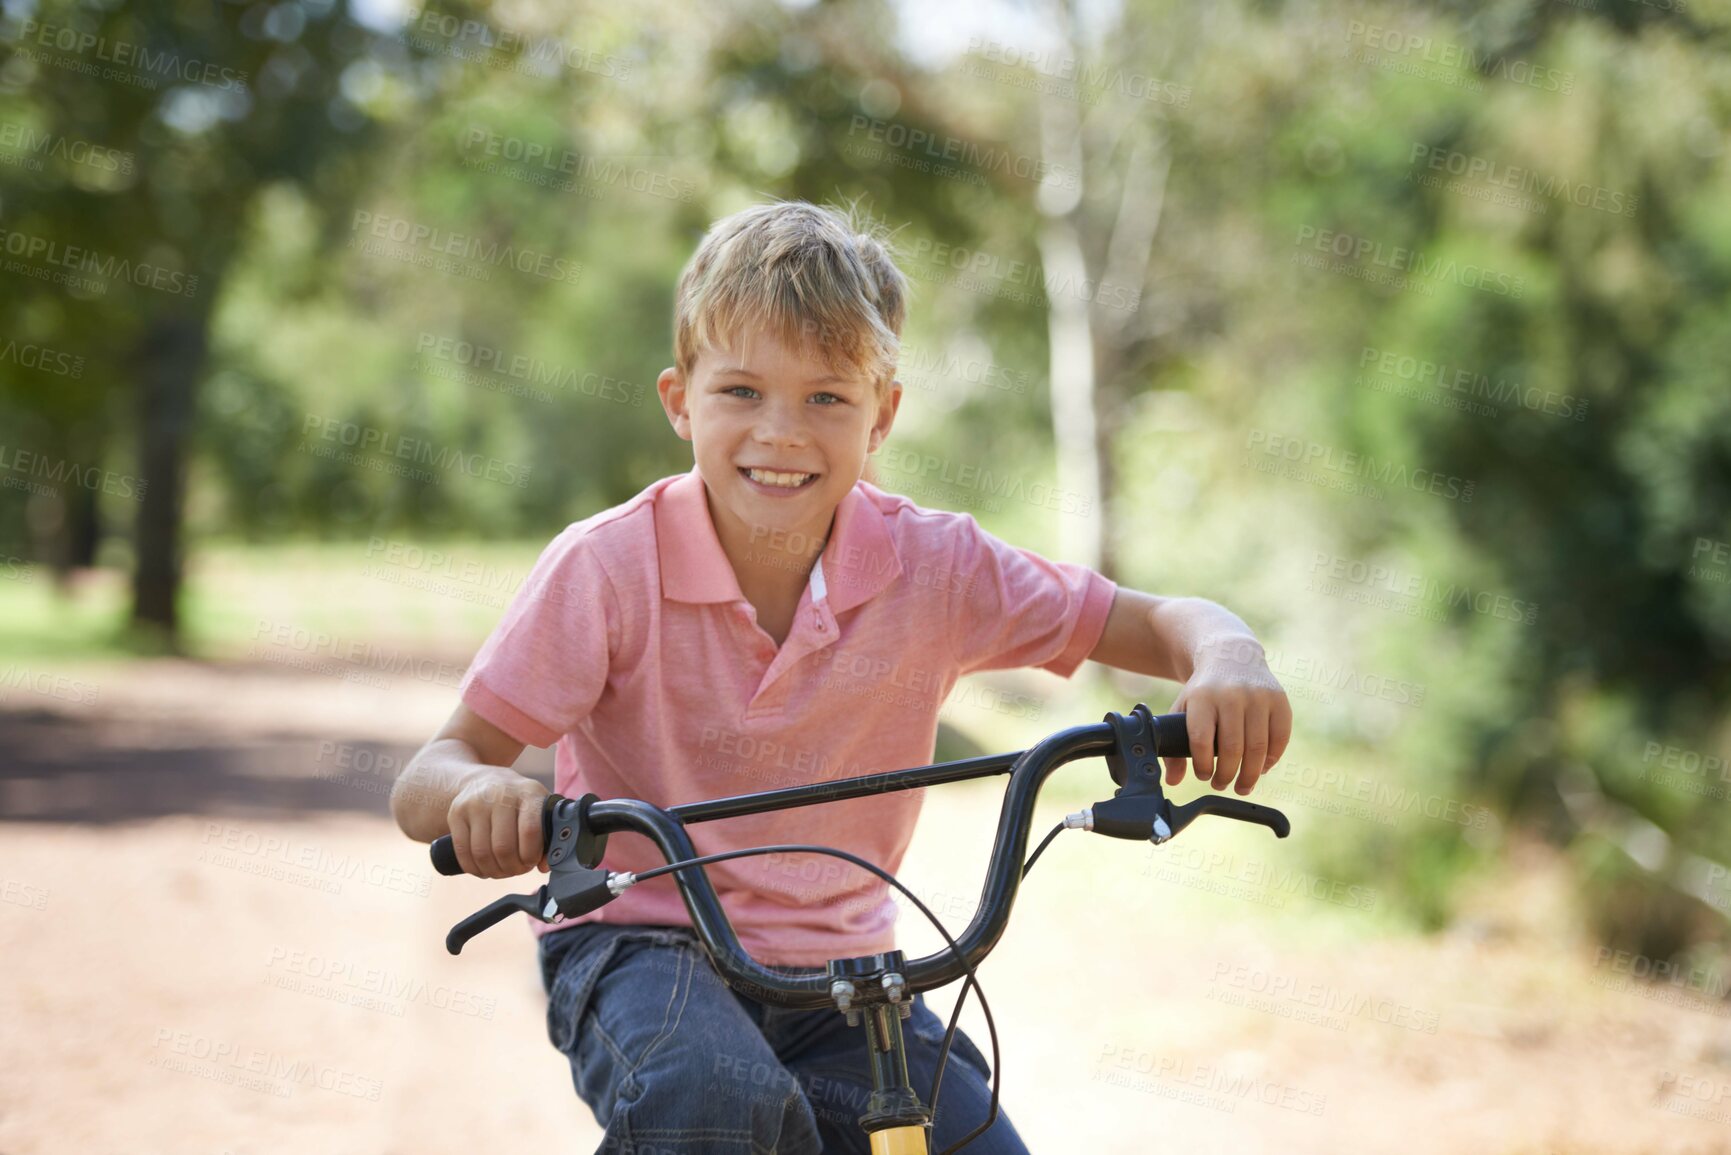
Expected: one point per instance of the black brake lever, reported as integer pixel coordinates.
(494, 912)
(573, 884)
(1178, 817)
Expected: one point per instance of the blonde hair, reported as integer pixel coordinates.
(806, 273)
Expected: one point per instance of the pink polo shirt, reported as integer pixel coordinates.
(632, 647)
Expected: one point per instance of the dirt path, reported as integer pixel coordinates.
(216, 943)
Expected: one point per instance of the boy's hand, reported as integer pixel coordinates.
(495, 823)
(1233, 696)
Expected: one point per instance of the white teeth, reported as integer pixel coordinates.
(786, 480)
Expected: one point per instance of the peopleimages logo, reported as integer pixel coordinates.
(365, 438)
(978, 158)
(1331, 573)
(1471, 385)
(125, 54)
(965, 476)
(59, 471)
(1398, 258)
(1381, 470)
(462, 246)
(41, 358)
(1079, 80)
(927, 369)
(531, 370)
(543, 165)
(32, 144)
(504, 48)
(1524, 180)
(981, 271)
(1429, 50)
(77, 267)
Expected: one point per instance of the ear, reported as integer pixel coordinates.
(671, 387)
(886, 417)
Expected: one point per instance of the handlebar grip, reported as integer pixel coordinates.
(1171, 736)
(444, 854)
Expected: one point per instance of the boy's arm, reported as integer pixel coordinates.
(461, 784)
(1229, 691)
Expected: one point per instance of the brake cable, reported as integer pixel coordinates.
(1041, 849)
(956, 1015)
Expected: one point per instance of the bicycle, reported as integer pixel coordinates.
(867, 988)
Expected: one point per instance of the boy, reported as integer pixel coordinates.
(765, 620)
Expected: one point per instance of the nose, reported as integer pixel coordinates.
(782, 423)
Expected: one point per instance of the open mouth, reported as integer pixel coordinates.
(778, 480)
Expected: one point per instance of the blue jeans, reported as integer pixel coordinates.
(673, 1062)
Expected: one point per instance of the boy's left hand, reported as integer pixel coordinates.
(1232, 696)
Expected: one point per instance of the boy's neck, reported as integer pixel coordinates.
(778, 561)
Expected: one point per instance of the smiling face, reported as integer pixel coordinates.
(779, 437)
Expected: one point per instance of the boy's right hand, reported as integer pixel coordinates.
(495, 822)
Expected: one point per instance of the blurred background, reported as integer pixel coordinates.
(1401, 330)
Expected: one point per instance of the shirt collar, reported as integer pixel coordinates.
(858, 562)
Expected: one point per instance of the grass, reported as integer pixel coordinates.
(444, 599)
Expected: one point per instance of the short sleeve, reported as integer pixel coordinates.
(1015, 608)
(543, 668)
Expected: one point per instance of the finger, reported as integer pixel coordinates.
(1255, 746)
(505, 842)
(1231, 745)
(528, 833)
(481, 846)
(460, 844)
(1175, 766)
(1279, 730)
(1199, 724)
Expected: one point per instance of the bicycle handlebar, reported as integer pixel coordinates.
(1132, 744)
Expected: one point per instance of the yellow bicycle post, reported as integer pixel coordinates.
(900, 1141)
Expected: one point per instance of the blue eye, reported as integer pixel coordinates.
(833, 399)
(736, 389)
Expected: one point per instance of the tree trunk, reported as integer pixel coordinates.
(172, 358)
(1074, 428)
(77, 530)
(1090, 320)
(1070, 333)
(83, 529)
